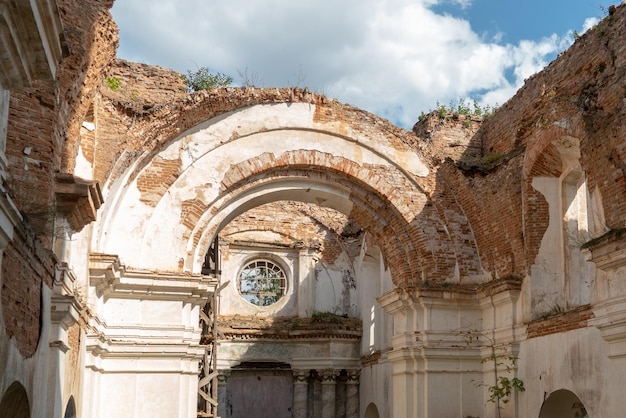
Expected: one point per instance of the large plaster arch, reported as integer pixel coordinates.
(146, 219)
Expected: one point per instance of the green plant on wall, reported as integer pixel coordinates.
(502, 386)
(461, 107)
(203, 79)
(113, 83)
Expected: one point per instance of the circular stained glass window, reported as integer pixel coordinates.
(262, 282)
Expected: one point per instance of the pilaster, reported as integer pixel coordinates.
(144, 327)
(64, 312)
(430, 357)
(300, 393)
(608, 253)
(329, 381)
(352, 394)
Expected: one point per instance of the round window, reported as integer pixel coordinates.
(262, 282)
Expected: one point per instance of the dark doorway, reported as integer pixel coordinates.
(563, 404)
(259, 391)
(14, 403)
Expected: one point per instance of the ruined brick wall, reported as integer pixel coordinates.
(143, 86)
(302, 225)
(578, 95)
(137, 129)
(44, 122)
(26, 267)
(483, 216)
(45, 118)
(92, 39)
(31, 152)
(129, 92)
(556, 322)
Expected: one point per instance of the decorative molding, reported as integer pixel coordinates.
(610, 320)
(65, 311)
(9, 218)
(31, 34)
(250, 328)
(78, 200)
(64, 279)
(112, 279)
(353, 377)
(328, 376)
(608, 252)
(301, 377)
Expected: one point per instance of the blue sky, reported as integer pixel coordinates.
(395, 58)
(525, 19)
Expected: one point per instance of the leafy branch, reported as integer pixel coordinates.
(461, 107)
(203, 79)
(503, 386)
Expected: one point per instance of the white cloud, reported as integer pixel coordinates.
(395, 58)
(589, 23)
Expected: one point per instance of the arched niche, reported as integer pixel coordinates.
(561, 217)
(14, 403)
(563, 404)
(70, 408)
(371, 411)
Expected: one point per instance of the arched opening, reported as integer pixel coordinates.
(14, 403)
(319, 251)
(563, 404)
(70, 409)
(371, 411)
(335, 209)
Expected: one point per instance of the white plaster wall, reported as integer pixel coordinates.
(577, 361)
(231, 301)
(546, 274)
(609, 286)
(372, 280)
(142, 395)
(376, 380)
(144, 312)
(376, 387)
(336, 287)
(313, 285)
(31, 372)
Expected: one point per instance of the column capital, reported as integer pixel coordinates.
(328, 376)
(300, 376)
(222, 376)
(353, 377)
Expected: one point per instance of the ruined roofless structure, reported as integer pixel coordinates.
(246, 252)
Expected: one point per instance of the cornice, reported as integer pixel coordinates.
(113, 279)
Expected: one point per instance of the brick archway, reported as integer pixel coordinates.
(358, 200)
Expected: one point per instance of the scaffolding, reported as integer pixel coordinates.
(207, 384)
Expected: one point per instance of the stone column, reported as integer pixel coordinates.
(300, 393)
(222, 380)
(64, 312)
(352, 394)
(328, 377)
